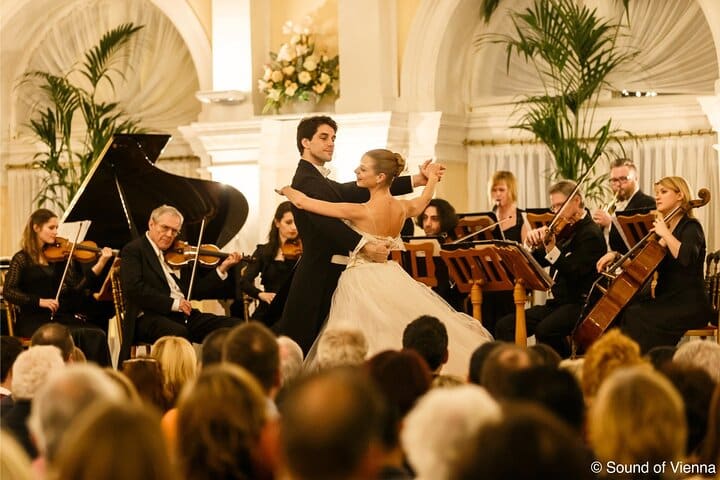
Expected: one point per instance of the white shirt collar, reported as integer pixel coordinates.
(324, 171)
(5, 391)
(158, 252)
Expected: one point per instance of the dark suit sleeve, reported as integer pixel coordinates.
(589, 246)
(139, 290)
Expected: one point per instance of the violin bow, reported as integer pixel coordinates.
(197, 257)
(492, 225)
(65, 270)
(580, 181)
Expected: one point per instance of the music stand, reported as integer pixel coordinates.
(497, 266)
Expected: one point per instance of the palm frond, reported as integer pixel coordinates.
(99, 58)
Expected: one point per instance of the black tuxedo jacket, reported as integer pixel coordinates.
(146, 289)
(315, 278)
(638, 201)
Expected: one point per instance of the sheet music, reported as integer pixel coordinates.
(74, 230)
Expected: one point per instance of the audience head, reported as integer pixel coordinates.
(57, 335)
(14, 462)
(699, 353)
(446, 381)
(67, 394)
(308, 126)
(331, 426)
(384, 162)
(544, 354)
(254, 347)
(527, 444)
(442, 421)
(178, 362)
(124, 384)
(428, 336)
(215, 441)
(710, 448)
(573, 366)
(115, 441)
(477, 360)
(609, 353)
(212, 347)
(636, 417)
(556, 390)
(146, 375)
(339, 347)
(77, 356)
(500, 364)
(10, 348)
(660, 356)
(41, 228)
(438, 218)
(503, 188)
(291, 359)
(32, 368)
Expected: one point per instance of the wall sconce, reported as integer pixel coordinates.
(221, 97)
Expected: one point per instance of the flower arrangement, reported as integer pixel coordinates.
(299, 71)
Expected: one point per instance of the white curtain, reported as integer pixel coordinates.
(691, 157)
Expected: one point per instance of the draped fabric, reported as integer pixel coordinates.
(691, 157)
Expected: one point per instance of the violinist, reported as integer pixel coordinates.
(679, 302)
(155, 293)
(274, 262)
(32, 284)
(571, 253)
(626, 196)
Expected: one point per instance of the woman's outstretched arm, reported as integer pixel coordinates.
(348, 211)
(417, 205)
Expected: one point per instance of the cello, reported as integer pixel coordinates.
(637, 266)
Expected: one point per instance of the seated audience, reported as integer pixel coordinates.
(77, 356)
(428, 336)
(477, 360)
(146, 374)
(178, 362)
(545, 355)
(217, 442)
(700, 353)
(527, 444)
(10, 348)
(113, 441)
(212, 346)
(710, 447)
(291, 359)
(30, 372)
(340, 347)
(503, 361)
(57, 335)
(441, 422)
(14, 462)
(124, 383)
(660, 356)
(332, 427)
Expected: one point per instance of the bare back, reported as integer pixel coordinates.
(383, 216)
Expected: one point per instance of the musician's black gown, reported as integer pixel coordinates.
(680, 301)
(27, 282)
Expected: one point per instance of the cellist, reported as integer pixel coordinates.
(572, 258)
(679, 302)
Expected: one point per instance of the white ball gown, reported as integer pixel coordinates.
(380, 299)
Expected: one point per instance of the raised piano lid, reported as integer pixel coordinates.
(124, 186)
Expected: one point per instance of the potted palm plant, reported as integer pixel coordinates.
(61, 97)
(573, 52)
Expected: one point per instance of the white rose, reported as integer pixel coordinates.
(324, 78)
(274, 94)
(310, 64)
(262, 85)
(267, 73)
(286, 53)
(276, 76)
(304, 78)
(289, 70)
(320, 87)
(291, 89)
(301, 50)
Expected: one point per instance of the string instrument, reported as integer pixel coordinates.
(181, 253)
(292, 248)
(62, 249)
(637, 266)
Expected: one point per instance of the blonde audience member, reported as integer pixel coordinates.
(14, 462)
(702, 354)
(77, 356)
(341, 347)
(125, 385)
(115, 442)
(638, 417)
(610, 352)
(178, 362)
(710, 447)
(291, 359)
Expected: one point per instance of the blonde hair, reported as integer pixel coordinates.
(610, 352)
(178, 361)
(29, 242)
(503, 176)
(14, 462)
(390, 163)
(678, 185)
(637, 417)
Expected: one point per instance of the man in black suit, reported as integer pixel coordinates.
(327, 242)
(155, 293)
(628, 196)
(572, 264)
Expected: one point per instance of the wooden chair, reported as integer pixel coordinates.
(634, 227)
(470, 223)
(118, 299)
(417, 254)
(11, 312)
(539, 217)
(712, 285)
(705, 332)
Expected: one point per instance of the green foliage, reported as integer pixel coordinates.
(52, 118)
(573, 52)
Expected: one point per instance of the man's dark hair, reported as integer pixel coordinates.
(212, 346)
(556, 390)
(10, 348)
(477, 360)
(544, 354)
(660, 356)
(500, 364)
(254, 347)
(57, 335)
(446, 212)
(428, 336)
(309, 125)
(329, 421)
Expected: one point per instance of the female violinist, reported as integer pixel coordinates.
(274, 263)
(503, 195)
(679, 303)
(32, 284)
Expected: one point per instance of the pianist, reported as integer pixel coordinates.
(156, 294)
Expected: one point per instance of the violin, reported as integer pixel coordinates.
(292, 248)
(84, 252)
(181, 253)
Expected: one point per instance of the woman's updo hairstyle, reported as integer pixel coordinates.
(390, 163)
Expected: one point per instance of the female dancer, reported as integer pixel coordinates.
(679, 303)
(381, 298)
(32, 283)
(503, 195)
(274, 262)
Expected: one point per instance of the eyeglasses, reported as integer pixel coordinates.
(620, 179)
(167, 229)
